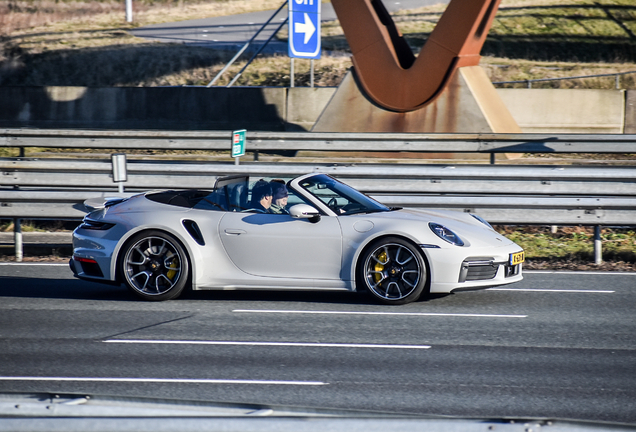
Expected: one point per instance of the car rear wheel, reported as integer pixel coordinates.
(154, 266)
(393, 271)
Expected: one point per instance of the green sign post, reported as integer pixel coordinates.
(238, 144)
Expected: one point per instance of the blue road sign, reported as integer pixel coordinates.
(304, 29)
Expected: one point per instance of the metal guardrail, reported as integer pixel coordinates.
(332, 142)
(608, 211)
(506, 194)
(370, 178)
(502, 194)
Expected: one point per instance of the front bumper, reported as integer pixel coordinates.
(485, 268)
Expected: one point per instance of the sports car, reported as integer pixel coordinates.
(312, 232)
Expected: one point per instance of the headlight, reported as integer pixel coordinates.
(482, 220)
(445, 234)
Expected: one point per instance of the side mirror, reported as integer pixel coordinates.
(304, 211)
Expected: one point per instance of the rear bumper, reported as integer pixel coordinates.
(78, 271)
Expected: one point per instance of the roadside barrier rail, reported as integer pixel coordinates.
(55, 188)
(312, 141)
(18, 174)
(502, 194)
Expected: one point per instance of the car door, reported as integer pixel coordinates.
(275, 245)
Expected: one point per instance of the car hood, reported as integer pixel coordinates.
(472, 231)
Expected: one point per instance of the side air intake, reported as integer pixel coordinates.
(193, 229)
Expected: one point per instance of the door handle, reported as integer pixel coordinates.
(230, 231)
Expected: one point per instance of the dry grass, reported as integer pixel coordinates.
(87, 44)
(572, 247)
(21, 14)
(535, 39)
(502, 70)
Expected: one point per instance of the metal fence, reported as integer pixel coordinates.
(617, 79)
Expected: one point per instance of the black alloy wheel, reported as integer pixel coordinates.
(155, 266)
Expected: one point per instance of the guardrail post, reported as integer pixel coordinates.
(598, 246)
(17, 239)
(120, 171)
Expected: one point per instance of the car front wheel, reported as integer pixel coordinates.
(154, 266)
(393, 271)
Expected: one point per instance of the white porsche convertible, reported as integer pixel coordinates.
(310, 233)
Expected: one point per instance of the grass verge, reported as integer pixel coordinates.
(572, 248)
(529, 39)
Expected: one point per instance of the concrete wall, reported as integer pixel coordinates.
(186, 108)
(279, 109)
(566, 111)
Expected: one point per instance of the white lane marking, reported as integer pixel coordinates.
(273, 344)
(267, 311)
(162, 380)
(577, 272)
(552, 290)
(24, 264)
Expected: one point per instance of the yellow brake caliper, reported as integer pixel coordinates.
(379, 267)
(172, 273)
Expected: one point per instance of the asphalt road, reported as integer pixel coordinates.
(557, 345)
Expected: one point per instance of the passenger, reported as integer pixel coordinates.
(261, 196)
(279, 197)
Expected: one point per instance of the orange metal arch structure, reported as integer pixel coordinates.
(385, 65)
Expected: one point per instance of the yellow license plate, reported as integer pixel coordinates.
(517, 258)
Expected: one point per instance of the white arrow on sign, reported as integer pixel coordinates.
(307, 27)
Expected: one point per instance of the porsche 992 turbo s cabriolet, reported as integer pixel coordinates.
(309, 233)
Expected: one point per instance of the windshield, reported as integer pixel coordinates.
(342, 199)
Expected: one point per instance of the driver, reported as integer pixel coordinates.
(261, 196)
(279, 197)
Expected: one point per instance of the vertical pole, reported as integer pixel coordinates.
(17, 239)
(236, 160)
(492, 158)
(618, 81)
(312, 74)
(119, 169)
(291, 72)
(598, 246)
(129, 13)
